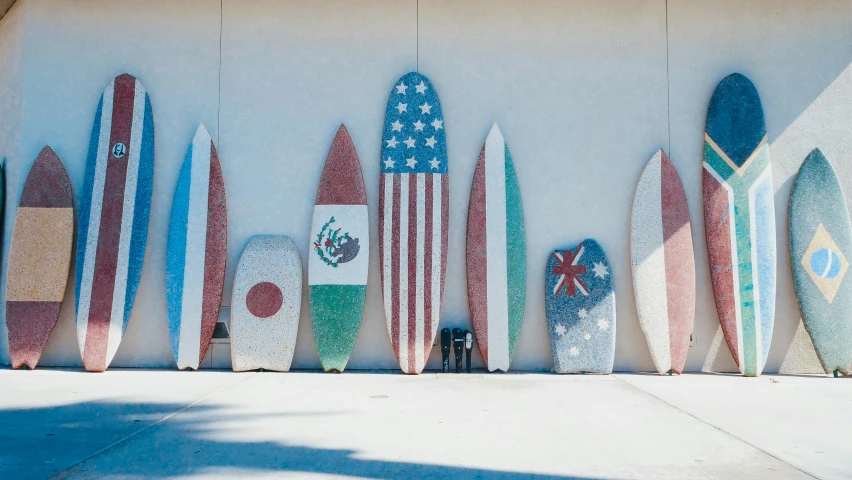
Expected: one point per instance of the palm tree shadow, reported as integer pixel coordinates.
(115, 439)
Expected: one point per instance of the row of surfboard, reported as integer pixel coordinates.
(413, 218)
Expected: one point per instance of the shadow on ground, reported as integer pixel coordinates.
(131, 440)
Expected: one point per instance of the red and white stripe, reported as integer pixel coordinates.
(413, 211)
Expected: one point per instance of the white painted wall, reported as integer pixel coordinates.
(584, 92)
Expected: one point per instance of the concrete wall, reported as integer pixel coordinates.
(584, 92)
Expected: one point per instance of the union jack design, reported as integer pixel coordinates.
(568, 268)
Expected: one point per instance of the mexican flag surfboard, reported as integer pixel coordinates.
(339, 254)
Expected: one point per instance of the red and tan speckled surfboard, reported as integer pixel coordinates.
(39, 259)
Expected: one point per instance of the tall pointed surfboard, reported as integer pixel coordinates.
(413, 217)
(196, 252)
(339, 254)
(113, 219)
(39, 259)
(663, 263)
(580, 307)
(820, 248)
(496, 254)
(265, 305)
(739, 220)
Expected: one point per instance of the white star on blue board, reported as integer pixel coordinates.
(418, 126)
(402, 107)
(438, 124)
(425, 108)
(582, 313)
(430, 142)
(435, 163)
(396, 126)
(401, 88)
(421, 88)
(560, 330)
(410, 162)
(600, 270)
(392, 143)
(410, 142)
(389, 163)
(574, 351)
(603, 324)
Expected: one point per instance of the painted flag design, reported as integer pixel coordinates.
(39, 259)
(413, 218)
(580, 308)
(113, 219)
(196, 253)
(739, 220)
(339, 254)
(496, 254)
(820, 243)
(663, 263)
(266, 304)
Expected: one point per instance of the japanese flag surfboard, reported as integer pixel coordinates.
(663, 263)
(339, 254)
(265, 306)
(739, 220)
(413, 218)
(40, 258)
(820, 248)
(580, 308)
(196, 252)
(113, 219)
(496, 254)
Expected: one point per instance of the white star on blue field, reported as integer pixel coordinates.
(414, 140)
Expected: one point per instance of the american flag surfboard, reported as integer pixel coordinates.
(413, 214)
(113, 219)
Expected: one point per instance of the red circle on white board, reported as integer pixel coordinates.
(264, 299)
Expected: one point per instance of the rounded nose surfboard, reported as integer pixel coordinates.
(340, 254)
(739, 220)
(496, 254)
(820, 243)
(39, 259)
(663, 263)
(265, 305)
(113, 219)
(196, 252)
(580, 307)
(413, 218)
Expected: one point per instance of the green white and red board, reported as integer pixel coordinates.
(339, 254)
(496, 254)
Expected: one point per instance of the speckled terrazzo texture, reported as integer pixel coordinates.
(820, 245)
(266, 342)
(580, 307)
(413, 218)
(496, 254)
(39, 259)
(113, 219)
(339, 254)
(663, 263)
(739, 220)
(196, 252)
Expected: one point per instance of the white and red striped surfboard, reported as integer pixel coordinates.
(196, 253)
(413, 214)
(496, 254)
(663, 263)
(113, 219)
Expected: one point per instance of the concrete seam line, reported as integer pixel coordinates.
(65, 472)
(714, 426)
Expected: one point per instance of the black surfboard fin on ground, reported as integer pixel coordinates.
(468, 348)
(446, 340)
(458, 347)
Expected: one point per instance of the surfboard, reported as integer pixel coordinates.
(580, 307)
(196, 252)
(339, 254)
(113, 219)
(739, 220)
(663, 263)
(820, 245)
(413, 217)
(496, 254)
(266, 303)
(39, 259)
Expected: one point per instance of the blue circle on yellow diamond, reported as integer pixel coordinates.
(825, 263)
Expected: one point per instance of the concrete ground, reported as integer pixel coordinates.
(216, 424)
